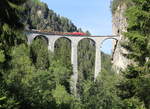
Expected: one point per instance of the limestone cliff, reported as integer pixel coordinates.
(119, 26)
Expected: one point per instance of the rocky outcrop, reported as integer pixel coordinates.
(119, 26)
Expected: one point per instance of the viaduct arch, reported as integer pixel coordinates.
(31, 35)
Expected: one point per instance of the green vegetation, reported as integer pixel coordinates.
(116, 3)
(10, 36)
(38, 16)
(101, 94)
(31, 77)
(134, 87)
(40, 55)
(86, 59)
(63, 51)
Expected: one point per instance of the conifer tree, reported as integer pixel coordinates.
(10, 35)
(134, 86)
(9, 13)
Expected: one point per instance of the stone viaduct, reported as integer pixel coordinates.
(51, 39)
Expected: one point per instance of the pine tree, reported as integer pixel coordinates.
(11, 27)
(9, 13)
(136, 79)
(10, 35)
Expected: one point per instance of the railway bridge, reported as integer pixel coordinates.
(52, 38)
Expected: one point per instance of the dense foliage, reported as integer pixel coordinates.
(10, 36)
(39, 16)
(102, 93)
(117, 3)
(31, 77)
(134, 87)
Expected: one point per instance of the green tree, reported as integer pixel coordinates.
(63, 51)
(61, 73)
(39, 16)
(88, 33)
(101, 94)
(11, 8)
(106, 63)
(136, 79)
(2, 56)
(39, 53)
(62, 98)
(86, 58)
(36, 88)
(10, 35)
(116, 3)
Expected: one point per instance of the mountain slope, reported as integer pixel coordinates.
(39, 16)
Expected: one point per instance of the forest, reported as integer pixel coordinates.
(32, 77)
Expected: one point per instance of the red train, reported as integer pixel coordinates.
(62, 33)
(76, 34)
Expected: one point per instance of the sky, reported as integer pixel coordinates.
(92, 15)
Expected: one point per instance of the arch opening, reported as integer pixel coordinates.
(86, 59)
(112, 38)
(42, 37)
(39, 52)
(108, 47)
(62, 51)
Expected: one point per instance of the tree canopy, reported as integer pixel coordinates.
(31, 77)
(134, 88)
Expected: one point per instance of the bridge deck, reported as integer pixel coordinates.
(51, 33)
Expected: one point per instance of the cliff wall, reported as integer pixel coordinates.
(119, 26)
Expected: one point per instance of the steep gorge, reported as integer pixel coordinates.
(40, 17)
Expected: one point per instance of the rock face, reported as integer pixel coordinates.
(119, 25)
